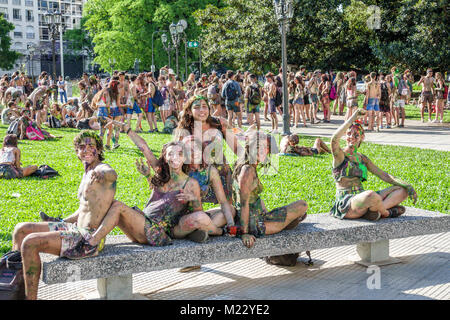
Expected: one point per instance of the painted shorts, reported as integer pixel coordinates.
(102, 112)
(74, 243)
(159, 232)
(252, 108)
(8, 171)
(343, 201)
(427, 96)
(257, 218)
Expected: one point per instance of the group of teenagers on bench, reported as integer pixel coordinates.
(187, 175)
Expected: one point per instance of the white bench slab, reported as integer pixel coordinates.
(114, 266)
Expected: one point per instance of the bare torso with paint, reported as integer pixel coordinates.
(96, 195)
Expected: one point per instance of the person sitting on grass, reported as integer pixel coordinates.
(350, 170)
(10, 166)
(70, 237)
(10, 113)
(289, 146)
(174, 209)
(252, 217)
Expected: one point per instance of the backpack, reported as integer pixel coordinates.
(157, 99)
(54, 122)
(14, 127)
(333, 92)
(45, 172)
(278, 97)
(255, 95)
(231, 92)
(12, 285)
(288, 260)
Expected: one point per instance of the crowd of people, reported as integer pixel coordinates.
(192, 170)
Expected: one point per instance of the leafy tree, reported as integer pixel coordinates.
(122, 29)
(7, 57)
(79, 40)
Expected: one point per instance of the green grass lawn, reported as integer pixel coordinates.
(307, 178)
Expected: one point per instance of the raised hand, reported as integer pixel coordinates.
(142, 168)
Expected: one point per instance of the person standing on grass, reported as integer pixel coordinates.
(150, 108)
(427, 95)
(70, 237)
(440, 99)
(350, 170)
(373, 94)
(231, 91)
(62, 89)
(133, 104)
(10, 165)
(266, 89)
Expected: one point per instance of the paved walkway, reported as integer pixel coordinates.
(423, 274)
(415, 133)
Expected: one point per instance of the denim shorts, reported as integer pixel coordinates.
(372, 104)
(135, 109)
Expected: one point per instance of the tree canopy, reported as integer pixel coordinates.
(7, 57)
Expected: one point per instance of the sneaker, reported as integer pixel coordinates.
(435, 120)
(429, 120)
(115, 146)
(198, 236)
(388, 127)
(381, 127)
(156, 130)
(440, 121)
(377, 129)
(423, 120)
(401, 126)
(150, 131)
(107, 147)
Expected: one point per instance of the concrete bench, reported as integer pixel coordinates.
(114, 266)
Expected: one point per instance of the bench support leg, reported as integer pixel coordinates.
(116, 288)
(375, 253)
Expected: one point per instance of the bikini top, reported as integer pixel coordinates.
(350, 169)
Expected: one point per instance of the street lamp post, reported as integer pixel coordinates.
(284, 11)
(31, 50)
(176, 30)
(112, 64)
(53, 21)
(167, 46)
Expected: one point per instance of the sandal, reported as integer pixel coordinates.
(198, 236)
(396, 211)
(372, 215)
(46, 218)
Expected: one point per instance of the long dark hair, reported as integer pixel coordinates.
(162, 175)
(187, 119)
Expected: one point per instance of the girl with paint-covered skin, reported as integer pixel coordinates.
(350, 169)
(252, 217)
(174, 209)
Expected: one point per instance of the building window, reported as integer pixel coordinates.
(29, 3)
(29, 16)
(3, 2)
(18, 44)
(42, 5)
(16, 14)
(4, 12)
(16, 2)
(18, 34)
(43, 33)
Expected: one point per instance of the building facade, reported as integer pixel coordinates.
(31, 30)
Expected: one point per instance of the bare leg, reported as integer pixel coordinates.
(194, 221)
(294, 210)
(27, 171)
(25, 228)
(33, 244)
(367, 200)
